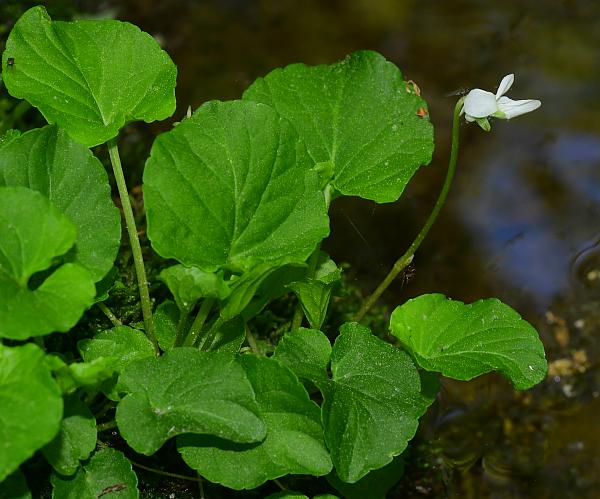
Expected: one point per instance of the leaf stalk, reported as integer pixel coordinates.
(134, 240)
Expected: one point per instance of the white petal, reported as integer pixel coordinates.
(505, 85)
(512, 108)
(479, 103)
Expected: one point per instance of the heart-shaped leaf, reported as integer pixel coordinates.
(372, 402)
(231, 187)
(464, 341)
(49, 161)
(76, 438)
(31, 403)
(32, 233)
(187, 391)
(108, 473)
(358, 119)
(294, 441)
(89, 77)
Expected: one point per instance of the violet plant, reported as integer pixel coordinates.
(237, 197)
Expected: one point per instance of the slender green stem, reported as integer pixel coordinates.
(181, 328)
(111, 317)
(136, 249)
(166, 473)
(407, 257)
(210, 334)
(310, 272)
(199, 321)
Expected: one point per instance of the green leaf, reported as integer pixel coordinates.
(306, 352)
(372, 401)
(107, 474)
(229, 338)
(15, 487)
(294, 441)
(244, 287)
(32, 233)
(74, 180)
(119, 346)
(123, 344)
(187, 391)
(76, 438)
(69, 377)
(231, 187)
(166, 317)
(9, 135)
(189, 284)
(89, 77)
(357, 115)
(273, 287)
(314, 293)
(31, 403)
(104, 286)
(464, 341)
(314, 298)
(375, 485)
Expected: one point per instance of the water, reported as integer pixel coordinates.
(521, 223)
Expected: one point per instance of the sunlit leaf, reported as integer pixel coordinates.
(231, 187)
(89, 77)
(463, 341)
(294, 441)
(32, 234)
(187, 391)
(358, 118)
(49, 161)
(372, 402)
(31, 403)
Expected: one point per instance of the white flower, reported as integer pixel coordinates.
(479, 104)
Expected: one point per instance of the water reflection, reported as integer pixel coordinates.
(531, 205)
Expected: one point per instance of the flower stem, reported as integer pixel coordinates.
(136, 249)
(407, 257)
